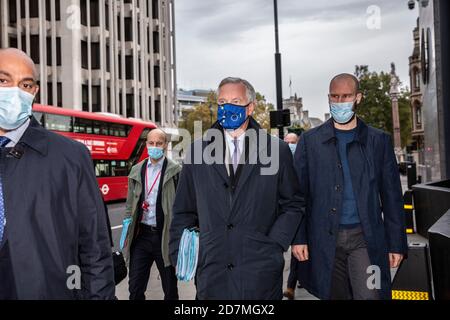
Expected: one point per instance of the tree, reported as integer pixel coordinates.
(206, 112)
(376, 109)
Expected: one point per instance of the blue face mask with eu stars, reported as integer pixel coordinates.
(232, 116)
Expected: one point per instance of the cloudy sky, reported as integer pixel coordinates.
(318, 39)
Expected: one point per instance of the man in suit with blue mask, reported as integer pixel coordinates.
(247, 218)
(354, 227)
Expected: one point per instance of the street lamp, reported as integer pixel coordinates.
(278, 70)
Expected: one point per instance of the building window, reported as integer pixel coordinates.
(12, 42)
(128, 29)
(34, 43)
(120, 65)
(59, 89)
(83, 12)
(156, 77)
(12, 11)
(96, 99)
(34, 9)
(84, 54)
(156, 42)
(417, 79)
(108, 99)
(130, 105)
(129, 67)
(108, 59)
(85, 97)
(58, 51)
(418, 116)
(158, 112)
(107, 17)
(95, 55)
(50, 93)
(155, 9)
(119, 30)
(95, 13)
(49, 51)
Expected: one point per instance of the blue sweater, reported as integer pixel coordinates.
(349, 212)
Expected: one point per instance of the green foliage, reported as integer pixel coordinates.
(376, 109)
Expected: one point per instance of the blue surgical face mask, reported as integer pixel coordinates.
(342, 112)
(155, 153)
(293, 147)
(15, 107)
(232, 116)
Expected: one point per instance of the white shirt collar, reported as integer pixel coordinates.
(158, 164)
(229, 140)
(16, 134)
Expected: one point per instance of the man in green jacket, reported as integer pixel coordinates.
(151, 192)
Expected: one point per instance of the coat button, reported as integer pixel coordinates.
(230, 266)
(230, 227)
(339, 166)
(334, 210)
(337, 188)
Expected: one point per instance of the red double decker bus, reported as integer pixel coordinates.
(115, 143)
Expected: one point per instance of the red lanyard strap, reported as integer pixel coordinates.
(154, 182)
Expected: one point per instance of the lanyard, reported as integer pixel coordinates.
(153, 184)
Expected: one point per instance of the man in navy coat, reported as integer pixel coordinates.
(54, 241)
(354, 228)
(239, 186)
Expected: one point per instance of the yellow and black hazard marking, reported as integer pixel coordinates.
(408, 208)
(409, 295)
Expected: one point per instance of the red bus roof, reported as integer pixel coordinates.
(92, 115)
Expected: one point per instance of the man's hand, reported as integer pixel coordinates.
(395, 259)
(300, 251)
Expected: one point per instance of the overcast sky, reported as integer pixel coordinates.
(318, 39)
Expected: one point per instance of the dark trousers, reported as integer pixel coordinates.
(292, 279)
(349, 280)
(145, 250)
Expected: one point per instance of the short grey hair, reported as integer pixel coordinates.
(163, 133)
(249, 90)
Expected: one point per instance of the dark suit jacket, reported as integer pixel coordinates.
(245, 221)
(55, 219)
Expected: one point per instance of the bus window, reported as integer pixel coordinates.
(58, 123)
(101, 128)
(117, 130)
(138, 149)
(82, 126)
(39, 117)
(119, 169)
(102, 168)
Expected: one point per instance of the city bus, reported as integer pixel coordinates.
(115, 143)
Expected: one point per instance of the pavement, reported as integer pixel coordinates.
(186, 290)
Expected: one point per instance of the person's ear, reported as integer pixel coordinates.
(359, 97)
(251, 109)
(36, 90)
